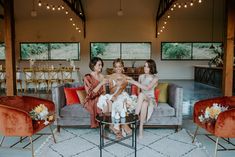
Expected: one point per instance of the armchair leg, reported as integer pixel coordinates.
(31, 141)
(195, 134)
(2, 140)
(216, 146)
(52, 133)
(58, 128)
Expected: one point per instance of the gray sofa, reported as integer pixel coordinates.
(165, 114)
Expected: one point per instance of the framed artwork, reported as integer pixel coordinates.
(2, 51)
(50, 51)
(123, 50)
(189, 50)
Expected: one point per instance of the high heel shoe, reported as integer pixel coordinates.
(116, 132)
(127, 129)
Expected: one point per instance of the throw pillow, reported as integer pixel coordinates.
(71, 95)
(163, 92)
(156, 95)
(134, 90)
(81, 95)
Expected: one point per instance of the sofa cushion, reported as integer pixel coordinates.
(75, 110)
(163, 92)
(163, 110)
(71, 95)
(81, 95)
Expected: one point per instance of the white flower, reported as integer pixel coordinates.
(46, 122)
(201, 118)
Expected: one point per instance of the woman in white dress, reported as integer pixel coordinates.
(117, 97)
(146, 100)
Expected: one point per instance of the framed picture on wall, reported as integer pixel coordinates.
(176, 51)
(2, 51)
(50, 51)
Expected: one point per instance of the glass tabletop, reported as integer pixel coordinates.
(106, 118)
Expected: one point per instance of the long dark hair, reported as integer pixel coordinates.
(152, 66)
(93, 62)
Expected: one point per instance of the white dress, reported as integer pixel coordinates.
(119, 104)
(146, 80)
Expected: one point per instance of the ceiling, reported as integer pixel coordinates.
(95, 9)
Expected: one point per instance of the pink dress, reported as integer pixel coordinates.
(92, 98)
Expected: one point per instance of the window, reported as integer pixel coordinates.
(126, 51)
(49, 51)
(189, 50)
(2, 51)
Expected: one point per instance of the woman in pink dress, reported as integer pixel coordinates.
(95, 86)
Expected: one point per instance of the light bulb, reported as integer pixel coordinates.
(199, 1)
(168, 16)
(66, 12)
(39, 3)
(73, 24)
(172, 9)
(79, 30)
(120, 13)
(58, 8)
(165, 22)
(53, 7)
(191, 3)
(185, 5)
(179, 6)
(48, 7)
(62, 7)
(71, 19)
(158, 33)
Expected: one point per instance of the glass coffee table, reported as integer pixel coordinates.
(130, 120)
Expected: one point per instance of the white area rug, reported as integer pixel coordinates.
(72, 142)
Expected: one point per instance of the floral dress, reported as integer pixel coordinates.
(146, 80)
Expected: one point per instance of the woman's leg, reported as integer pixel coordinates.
(141, 98)
(143, 114)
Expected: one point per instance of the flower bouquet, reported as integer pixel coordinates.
(212, 113)
(40, 112)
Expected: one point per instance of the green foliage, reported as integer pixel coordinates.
(98, 49)
(176, 51)
(28, 50)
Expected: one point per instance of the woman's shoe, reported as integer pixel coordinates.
(117, 133)
(127, 129)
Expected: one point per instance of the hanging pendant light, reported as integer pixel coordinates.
(120, 11)
(33, 12)
(212, 26)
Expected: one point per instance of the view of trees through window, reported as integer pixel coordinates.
(2, 51)
(49, 51)
(189, 50)
(128, 51)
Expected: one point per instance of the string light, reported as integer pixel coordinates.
(54, 8)
(39, 3)
(174, 7)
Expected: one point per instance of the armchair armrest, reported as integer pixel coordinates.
(175, 98)
(201, 106)
(34, 101)
(15, 122)
(225, 124)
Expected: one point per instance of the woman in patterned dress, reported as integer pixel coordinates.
(146, 100)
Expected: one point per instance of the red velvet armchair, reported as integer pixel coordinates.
(15, 119)
(224, 126)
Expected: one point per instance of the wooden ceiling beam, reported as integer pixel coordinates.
(1, 3)
(163, 6)
(77, 7)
